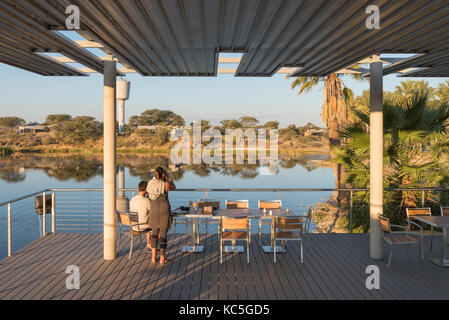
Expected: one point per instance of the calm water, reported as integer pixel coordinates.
(82, 212)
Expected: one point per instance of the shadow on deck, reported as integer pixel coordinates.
(334, 268)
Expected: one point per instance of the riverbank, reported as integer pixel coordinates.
(137, 143)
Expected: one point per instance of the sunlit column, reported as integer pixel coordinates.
(109, 177)
(376, 158)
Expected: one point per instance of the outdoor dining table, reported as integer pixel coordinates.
(196, 216)
(439, 222)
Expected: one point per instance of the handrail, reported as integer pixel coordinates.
(23, 197)
(225, 190)
(206, 190)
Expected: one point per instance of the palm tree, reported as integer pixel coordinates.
(410, 88)
(336, 98)
(414, 140)
(443, 91)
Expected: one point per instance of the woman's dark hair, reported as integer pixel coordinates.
(142, 186)
(159, 173)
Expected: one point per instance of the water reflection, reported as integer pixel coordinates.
(83, 168)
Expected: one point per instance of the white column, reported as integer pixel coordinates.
(121, 116)
(376, 158)
(121, 181)
(109, 164)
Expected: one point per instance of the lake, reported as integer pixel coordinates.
(82, 211)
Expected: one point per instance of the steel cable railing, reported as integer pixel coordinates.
(81, 210)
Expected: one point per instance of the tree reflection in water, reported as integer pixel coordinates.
(83, 168)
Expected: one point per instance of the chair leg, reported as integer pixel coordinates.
(308, 240)
(421, 247)
(174, 225)
(274, 249)
(247, 251)
(131, 247)
(221, 252)
(391, 254)
(302, 253)
(140, 240)
(283, 246)
(260, 232)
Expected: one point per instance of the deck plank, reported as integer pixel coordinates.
(334, 268)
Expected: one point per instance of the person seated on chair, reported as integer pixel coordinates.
(141, 205)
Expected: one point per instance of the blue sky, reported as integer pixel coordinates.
(32, 97)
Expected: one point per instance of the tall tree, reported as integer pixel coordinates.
(248, 121)
(442, 92)
(336, 96)
(408, 89)
(11, 122)
(415, 139)
(57, 118)
(155, 117)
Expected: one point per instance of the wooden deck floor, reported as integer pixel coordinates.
(334, 268)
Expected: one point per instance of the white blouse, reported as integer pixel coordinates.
(155, 188)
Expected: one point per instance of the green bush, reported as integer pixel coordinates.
(5, 151)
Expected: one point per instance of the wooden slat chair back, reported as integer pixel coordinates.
(308, 223)
(130, 219)
(413, 212)
(288, 223)
(268, 205)
(215, 204)
(237, 204)
(394, 238)
(209, 203)
(285, 229)
(234, 229)
(234, 223)
(418, 227)
(445, 211)
(385, 224)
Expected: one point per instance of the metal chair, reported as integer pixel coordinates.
(268, 205)
(287, 229)
(215, 204)
(237, 204)
(131, 220)
(309, 219)
(234, 229)
(411, 214)
(396, 237)
(444, 211)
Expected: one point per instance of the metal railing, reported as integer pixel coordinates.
(84, 214)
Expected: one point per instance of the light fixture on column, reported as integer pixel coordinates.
(123, 89)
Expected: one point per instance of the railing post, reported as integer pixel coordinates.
(44, 211)
(350, 211)
(423, 198)
(279, 197)
(53, 213)
(9, 230)
(206, 195)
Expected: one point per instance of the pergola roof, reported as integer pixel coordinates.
(185, 37)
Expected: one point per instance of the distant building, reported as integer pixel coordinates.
(315, 132)
(154, 128)
(32, 129)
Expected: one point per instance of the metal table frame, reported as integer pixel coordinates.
(250, 213)
(439, 222)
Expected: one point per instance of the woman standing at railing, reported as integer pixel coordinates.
(160, 212)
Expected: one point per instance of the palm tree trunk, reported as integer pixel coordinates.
(334, 135)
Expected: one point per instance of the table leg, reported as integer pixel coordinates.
(444, 260)
(195, 240)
